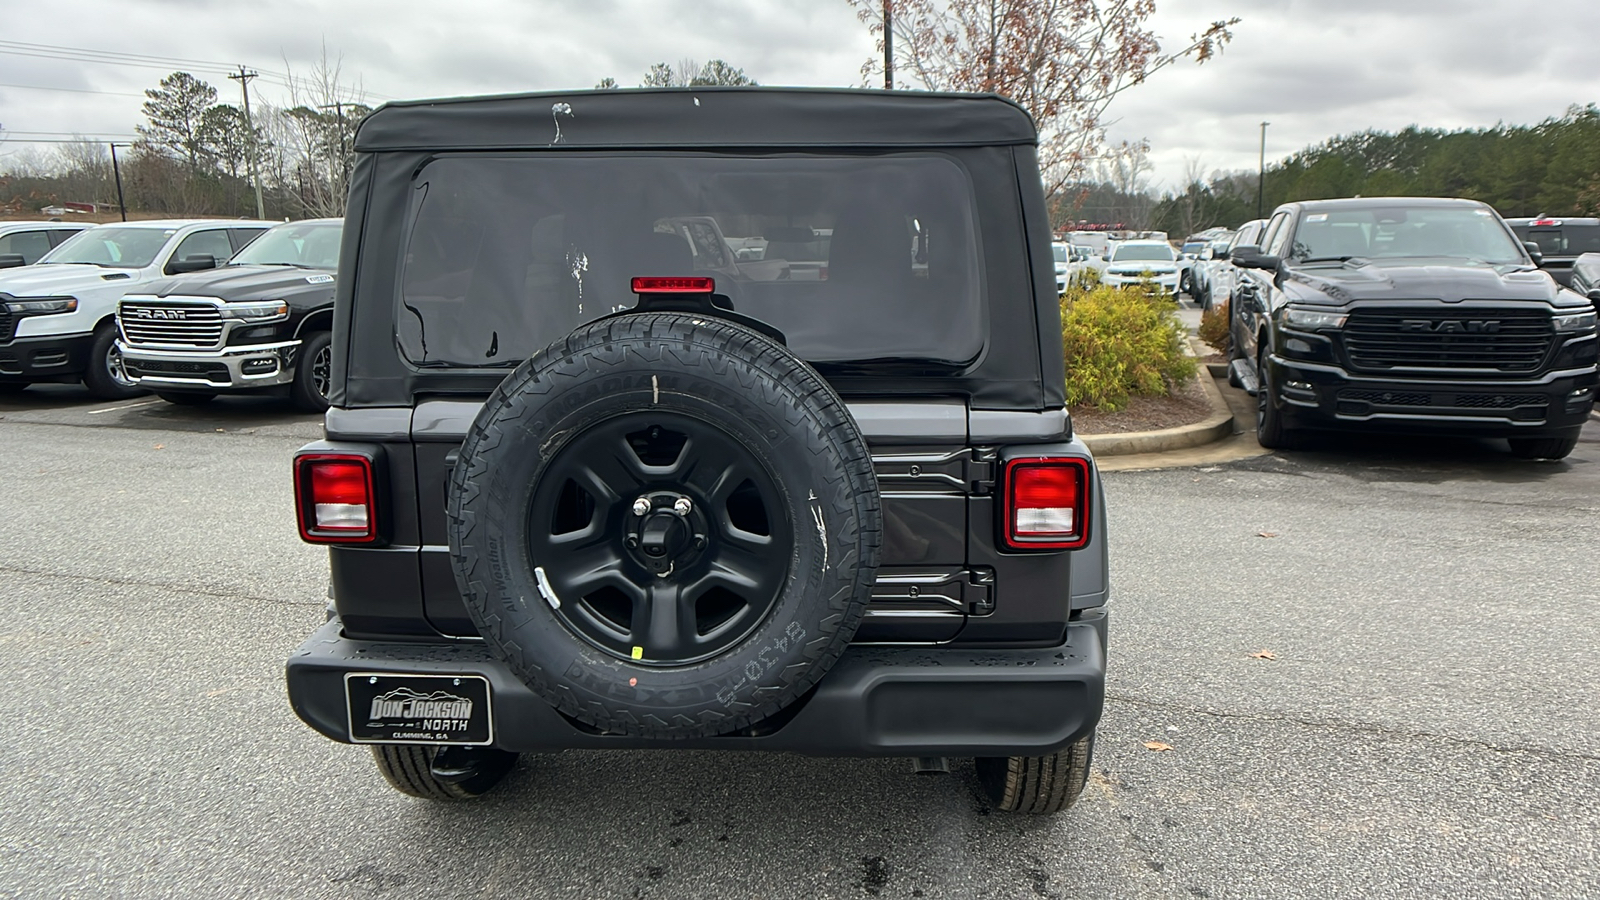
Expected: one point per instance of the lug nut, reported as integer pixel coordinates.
(681, 506)
(632, 542)
(699, 542)
(641, 506)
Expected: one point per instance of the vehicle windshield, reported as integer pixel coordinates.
(1561, 240)
(1401, 232)
(1142, 253)
(1060, 251)
(311, 244)
(866, 258)
(109, 245)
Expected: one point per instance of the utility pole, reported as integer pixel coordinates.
(243, 77)
(116, 173)
(888, 45)
(1261, 171)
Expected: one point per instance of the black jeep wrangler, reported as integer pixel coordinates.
(593, 478)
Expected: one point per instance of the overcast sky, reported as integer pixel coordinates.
(1313, 68)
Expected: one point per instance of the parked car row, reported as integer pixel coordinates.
(187, 308)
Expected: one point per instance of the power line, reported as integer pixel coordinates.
(141, 60)
(40, 87)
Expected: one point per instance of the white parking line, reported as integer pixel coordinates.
(96, 412)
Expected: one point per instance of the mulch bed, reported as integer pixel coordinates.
(1186, 406)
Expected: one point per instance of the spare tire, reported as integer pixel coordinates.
(666, 524)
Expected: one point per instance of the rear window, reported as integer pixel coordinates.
(1142, 253)
(1561, 240)
(855, 259)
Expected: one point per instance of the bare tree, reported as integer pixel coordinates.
(690, 73)
(84, 167)
(316, 138)
(1064, 61)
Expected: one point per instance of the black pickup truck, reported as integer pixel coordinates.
(259, 324)
(1409, 314)
(590, 483)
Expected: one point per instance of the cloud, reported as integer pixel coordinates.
(1313, 68)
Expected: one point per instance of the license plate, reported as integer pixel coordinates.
(418, 709)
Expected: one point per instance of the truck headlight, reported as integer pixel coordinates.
(41, 307)
(259, 311)
(1573, 323)
(1312, 319)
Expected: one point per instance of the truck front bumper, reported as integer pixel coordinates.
(1313, 395)
(232, 368)
(51, 357)
(875, 701)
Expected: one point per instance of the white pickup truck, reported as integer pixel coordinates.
(58, 316)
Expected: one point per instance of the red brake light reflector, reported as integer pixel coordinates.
(334, 498)
(661, 285)
(1546, 221)
(1047, 503)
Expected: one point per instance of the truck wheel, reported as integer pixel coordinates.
(666, 524)
(188, 398)
(104, 376)
(449, 773)
(313, 373)
(1271, 433)
(1039, 785)
(1544, 447)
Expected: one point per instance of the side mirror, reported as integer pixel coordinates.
(1251, 257)
(1535, 252)
(1105, 255)
(197, 263)
(1594, 294)
(11, 260)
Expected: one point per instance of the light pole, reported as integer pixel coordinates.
(888, 45)
(1261, 170)
(116, 172)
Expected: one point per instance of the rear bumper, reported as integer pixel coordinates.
(243, 367)
(875, 701)
(1320, 396)
(54, 356)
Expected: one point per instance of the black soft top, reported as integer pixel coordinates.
(712, 117)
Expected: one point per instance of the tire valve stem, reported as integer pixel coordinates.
(681, 506)
(641, 506)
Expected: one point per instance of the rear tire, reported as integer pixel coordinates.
(180, 398)
(409, 769)
(1545, 447)
(104, 376)
(1037, 785)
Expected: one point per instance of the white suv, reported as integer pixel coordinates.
(57, 317)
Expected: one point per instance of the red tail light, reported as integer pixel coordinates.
(1546, 222)
(334, 498)
(674, 285)
(1046, 503)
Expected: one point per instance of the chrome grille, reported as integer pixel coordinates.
(8, 325)
(1483, 339)
(171, 324)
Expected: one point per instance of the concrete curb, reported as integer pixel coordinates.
(1215, 427)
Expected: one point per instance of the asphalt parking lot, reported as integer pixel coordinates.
(1427, 727)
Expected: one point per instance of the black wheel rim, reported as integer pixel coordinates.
(659, 538)
(322, 371)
